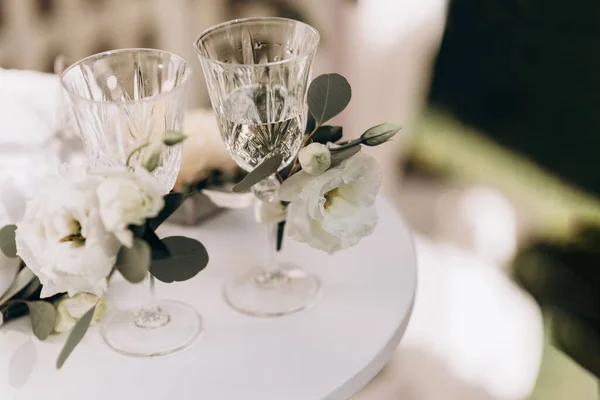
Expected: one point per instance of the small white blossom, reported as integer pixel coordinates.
(69, 310)
(315, 158)
(128, 198)
(333, 211)
(62, 238)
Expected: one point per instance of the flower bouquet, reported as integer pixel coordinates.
(79, 230)
(327, 194)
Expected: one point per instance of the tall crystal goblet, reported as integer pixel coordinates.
(257, 71)
(120, 100)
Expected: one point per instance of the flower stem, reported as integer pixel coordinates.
(348, 144)
(136, 150)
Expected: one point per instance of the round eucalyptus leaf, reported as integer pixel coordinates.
(43, 316)
(8, 244)
(133, 263)
(328, 95)
(188, 257)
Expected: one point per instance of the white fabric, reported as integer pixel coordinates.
(28, 106)
(28, 111)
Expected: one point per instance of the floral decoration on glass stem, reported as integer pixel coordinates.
(327, 194)
(79, 230)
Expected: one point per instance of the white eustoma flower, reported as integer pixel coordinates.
(128, 198)
(333, 211)
(315, 158)
(62, 238)
(69, 310)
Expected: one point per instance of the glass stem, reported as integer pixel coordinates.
(151, 315)
(271, 254)
(272, 277)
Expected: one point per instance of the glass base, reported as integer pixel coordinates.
(167, 327)
(272, 294)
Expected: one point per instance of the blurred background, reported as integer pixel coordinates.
(495, 169)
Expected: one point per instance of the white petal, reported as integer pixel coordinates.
(292, 187)
(125, 236)
(363, 189)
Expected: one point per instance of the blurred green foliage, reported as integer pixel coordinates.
(565, 279)
(527, 73)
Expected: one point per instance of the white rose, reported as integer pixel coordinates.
(69, 310)
(128, 198)
(315, 158)
(62, 239)
(333, 211)
(203, 150)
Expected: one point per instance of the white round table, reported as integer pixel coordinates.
(327, 352)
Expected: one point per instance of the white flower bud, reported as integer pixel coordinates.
(315, 158)
(379, 134)
(152, 156)
(70, 309)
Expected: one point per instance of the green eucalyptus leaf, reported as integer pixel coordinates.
(76, 335)
(43, 316)
(188, 257)
(379, 134)
(269, 166)
(159, 250)
(13, 310)
(23, 278)
(172, 138)
(338, 156)
(328, 95)
(32, 288)
(172, 202)
(133, 263)
(577, 337)
(8, 243)
(327, 133)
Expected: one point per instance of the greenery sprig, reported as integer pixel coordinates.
(328, 95)
(172, 259)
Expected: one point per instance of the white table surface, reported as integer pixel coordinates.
(327, 352)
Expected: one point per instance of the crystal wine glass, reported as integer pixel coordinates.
(257, 72)
(120, 100)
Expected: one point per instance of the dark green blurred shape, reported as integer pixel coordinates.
(565, 280)
(527, 74)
